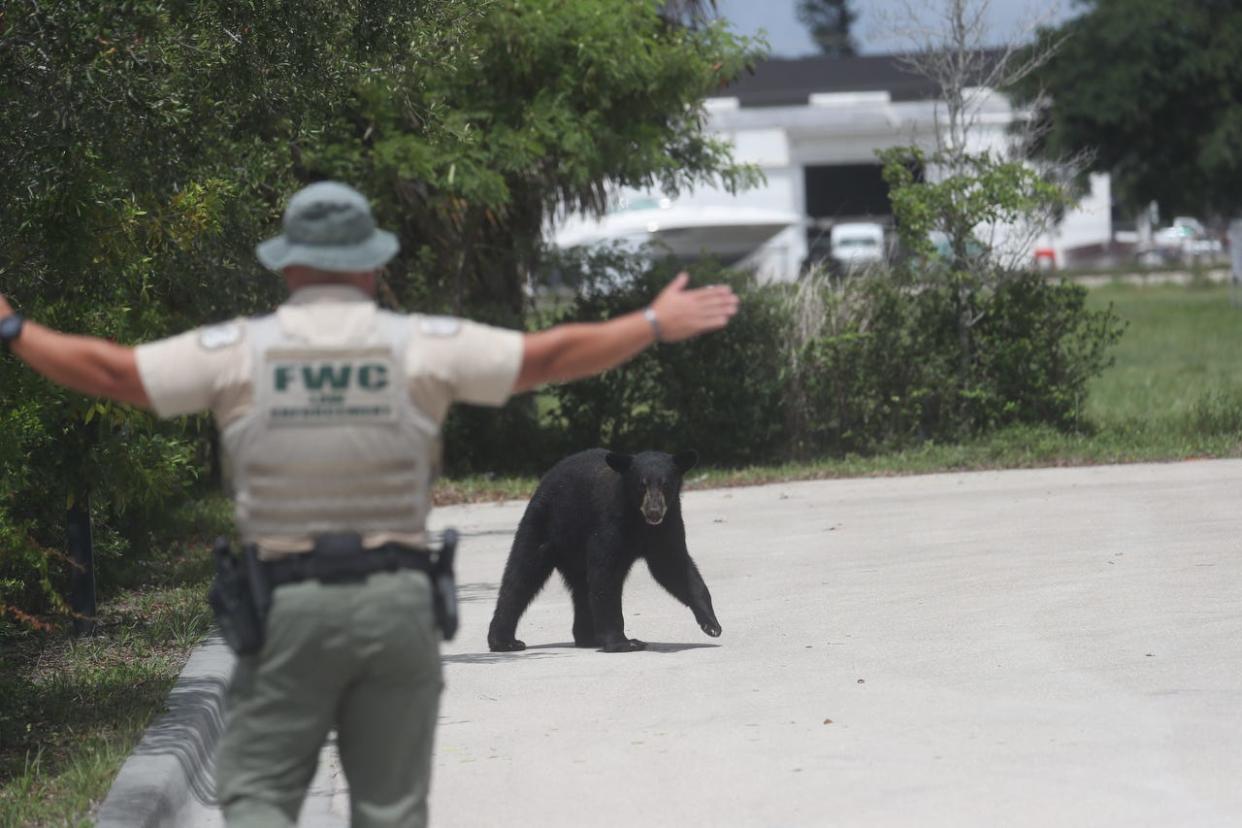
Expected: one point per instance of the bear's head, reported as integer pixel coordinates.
(651, 480)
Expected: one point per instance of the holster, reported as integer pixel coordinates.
(444, 586)
(239, 597)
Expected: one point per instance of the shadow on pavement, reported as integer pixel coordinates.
(657, 647)
(652, 647)
(529, 652)
(494, 658)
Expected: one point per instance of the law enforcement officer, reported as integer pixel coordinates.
(329, 412)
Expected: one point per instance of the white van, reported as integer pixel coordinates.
(854, 245)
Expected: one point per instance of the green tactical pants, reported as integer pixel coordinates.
(362, 657)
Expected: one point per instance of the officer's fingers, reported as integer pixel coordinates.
(714, 295)
(712, 290)
(712, 319)
(717, 301)
(677, 285)
(693, 312)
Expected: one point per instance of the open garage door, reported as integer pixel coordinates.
(846, 191)
(838, 193)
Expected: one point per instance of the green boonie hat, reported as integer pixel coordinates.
(328, 226)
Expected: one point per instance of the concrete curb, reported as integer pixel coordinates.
(169, 778)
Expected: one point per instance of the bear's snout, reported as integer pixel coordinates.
(654, 507)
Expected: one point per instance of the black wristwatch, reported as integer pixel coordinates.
(11, 328)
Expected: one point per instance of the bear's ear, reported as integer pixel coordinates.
(620, 463)
(686, 460)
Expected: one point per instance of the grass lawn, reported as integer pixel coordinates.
(72, 709)
(1184, 345)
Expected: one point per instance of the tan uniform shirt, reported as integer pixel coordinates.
(447, 360)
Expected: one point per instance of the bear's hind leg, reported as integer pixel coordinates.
(528, 569)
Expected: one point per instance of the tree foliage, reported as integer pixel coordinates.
(146, 145)
(963, 200)
(971, 188)
(558, 104)
(1152, 89)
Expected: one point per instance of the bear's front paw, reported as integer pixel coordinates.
(510, 646)
(625, 646)
(711, 628)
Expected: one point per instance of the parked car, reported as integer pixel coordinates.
(1183, 241)
(855, 245)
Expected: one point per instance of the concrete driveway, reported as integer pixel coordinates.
(1050, 647)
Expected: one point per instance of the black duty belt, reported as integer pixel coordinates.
(241, 593)
(328, 564)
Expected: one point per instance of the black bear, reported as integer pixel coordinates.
(591, 517)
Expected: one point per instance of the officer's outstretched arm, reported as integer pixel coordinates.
(83, 363)
(574, 351)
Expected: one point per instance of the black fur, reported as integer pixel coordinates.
(590, 519)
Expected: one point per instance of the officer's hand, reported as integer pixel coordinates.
(682, 314)
(5, 308)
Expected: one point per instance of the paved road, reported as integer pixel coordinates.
(1051, 647)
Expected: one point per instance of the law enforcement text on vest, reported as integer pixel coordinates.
(332, 442)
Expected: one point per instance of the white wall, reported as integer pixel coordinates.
(850, 129)
(1091, 222)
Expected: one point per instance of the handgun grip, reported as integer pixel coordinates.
(446, 586)
(448, 551)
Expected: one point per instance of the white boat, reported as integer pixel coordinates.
(727, 232)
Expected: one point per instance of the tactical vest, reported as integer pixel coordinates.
(333, 442)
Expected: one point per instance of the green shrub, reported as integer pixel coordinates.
(486, 441)
(867, 367)
(881, 364)
(822, 367)
(1036, 348)
(58, 449)
(1216, 412)
(720, 394)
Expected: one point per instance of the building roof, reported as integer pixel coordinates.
(790, 82)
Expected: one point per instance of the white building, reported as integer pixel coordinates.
(814, 126)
